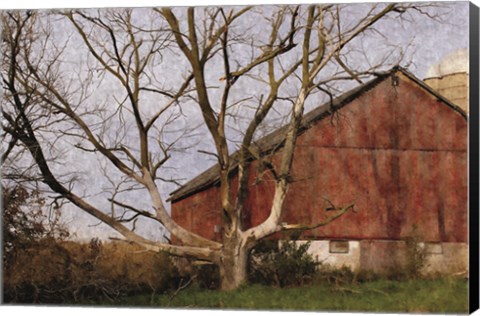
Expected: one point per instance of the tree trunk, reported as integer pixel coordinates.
(233, 264)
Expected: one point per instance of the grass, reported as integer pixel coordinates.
(446, 295)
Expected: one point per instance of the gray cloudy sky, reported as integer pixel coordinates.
(428, 42)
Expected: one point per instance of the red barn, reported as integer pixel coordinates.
(394, 147)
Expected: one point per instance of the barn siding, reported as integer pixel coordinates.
(396, 152)
(199, 213)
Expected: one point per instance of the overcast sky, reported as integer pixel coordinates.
(428, 43)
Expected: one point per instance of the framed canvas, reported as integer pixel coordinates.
(213, 157)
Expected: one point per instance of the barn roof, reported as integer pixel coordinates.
(274, 140)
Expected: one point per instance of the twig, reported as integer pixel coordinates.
(344, 289)
(181, 287)
(381, 292)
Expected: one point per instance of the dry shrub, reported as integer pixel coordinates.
(71, 272)
(40, 266)
(334, 275)
(35, 274)
(126, 266)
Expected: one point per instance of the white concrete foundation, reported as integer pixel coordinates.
(320, 250)
(378, 256)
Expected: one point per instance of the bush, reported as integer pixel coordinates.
(115, 270)
(70, 272)
(24, 223)
(414, 261)
(40, 266)
(369, 276)
(336, 276)
(416, 257)
(284, 264)
(208, 276)
(29, 235)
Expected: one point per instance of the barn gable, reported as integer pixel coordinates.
(393, 147)
(274, 140)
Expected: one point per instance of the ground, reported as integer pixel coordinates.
(442, 295)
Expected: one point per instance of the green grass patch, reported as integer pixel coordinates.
(446, 295)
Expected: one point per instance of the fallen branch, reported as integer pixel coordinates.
(461, 273)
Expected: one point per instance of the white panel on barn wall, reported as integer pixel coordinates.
(320, 250)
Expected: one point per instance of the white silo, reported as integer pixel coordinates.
(449, 77)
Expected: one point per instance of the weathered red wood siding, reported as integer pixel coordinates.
(200, 213)
(396, 152)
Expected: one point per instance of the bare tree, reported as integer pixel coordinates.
(21, 116)
(294, 52)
